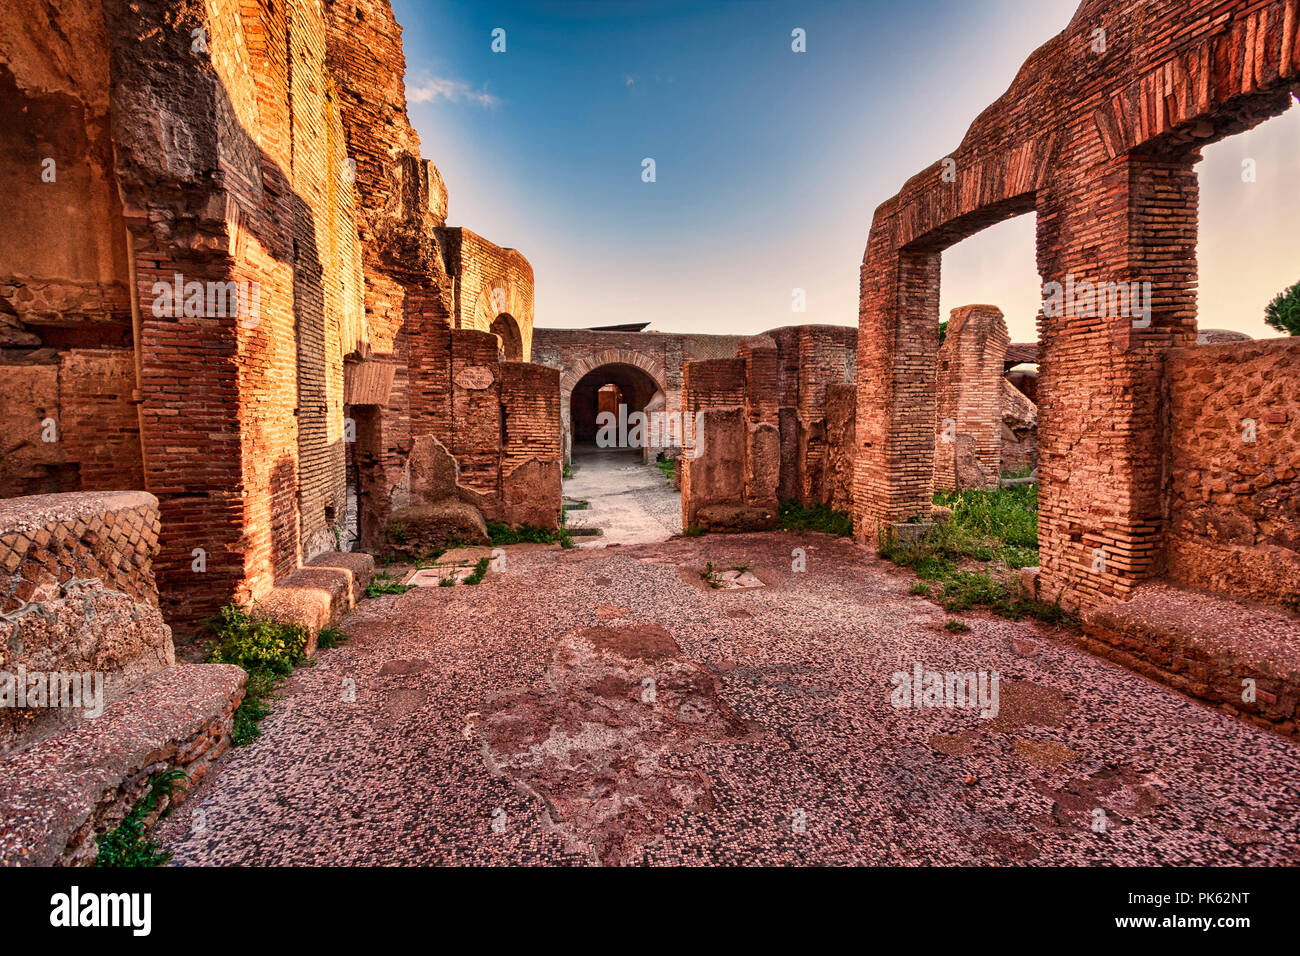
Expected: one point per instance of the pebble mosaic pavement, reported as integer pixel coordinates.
(821, 770)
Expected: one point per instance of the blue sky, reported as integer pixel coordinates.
(769, 163)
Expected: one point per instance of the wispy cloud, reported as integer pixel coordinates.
(433, 88)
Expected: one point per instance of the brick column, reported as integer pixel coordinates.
(897, 342)
(1127, 220)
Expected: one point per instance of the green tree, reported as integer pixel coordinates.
(1283, 313)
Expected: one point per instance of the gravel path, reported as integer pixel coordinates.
(629, 501)
(788, 749)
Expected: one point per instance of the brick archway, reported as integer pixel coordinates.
(1101, 141)
(503, 297)
(506, 329)
(588, 363)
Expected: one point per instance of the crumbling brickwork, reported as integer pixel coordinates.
(794, 445)
(1234, 476)
(249, 214)
(493, 290)
(969, 399)
(1101, 142)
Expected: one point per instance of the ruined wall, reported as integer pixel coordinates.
(72, 424)
(1101, 143)
(660, 355)
(240, 183)
(969, 399)
(446, 374)
(490, 282)
(1234, 469)
(786, 444)
(77, 594)
(531, 457)
(841, 434)
(1019, 430)
(67, 371)
(713, 460)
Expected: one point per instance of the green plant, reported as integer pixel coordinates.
(480, 571)
(568, 470)
(997, 530)
(710, 576)
(795, 517)
(668, 466)
(126, 844)
(693, 530)
(383, 583)
(256, 644)
(330, 638)
(267, 650)
(501, 533)
(955, 626)
(1283, 313)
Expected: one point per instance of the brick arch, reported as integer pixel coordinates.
(501, 295)
(1103, 147)
(589, 362)
(506, 328)
(594, 360)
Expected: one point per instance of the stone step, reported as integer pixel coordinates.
(320, 593)
(58, 795)
(1208, 646)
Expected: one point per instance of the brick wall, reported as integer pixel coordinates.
(1103, 149)
(841, 412)
(792, 446)
(274, 158)
(489, 281)
(1234, 469)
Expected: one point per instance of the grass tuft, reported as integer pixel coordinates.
(996, 530)
(668, 466)
(384, 583)
(796, 517)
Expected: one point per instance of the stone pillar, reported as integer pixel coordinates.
(968, 388)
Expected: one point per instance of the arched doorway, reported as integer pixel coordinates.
(506, 329)
(615, 388)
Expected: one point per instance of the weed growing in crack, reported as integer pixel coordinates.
(268, 652)
(479, 572)
(126, 845)
(384, 583)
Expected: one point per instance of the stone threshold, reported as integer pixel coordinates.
(319, 593)
(1240, 657)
